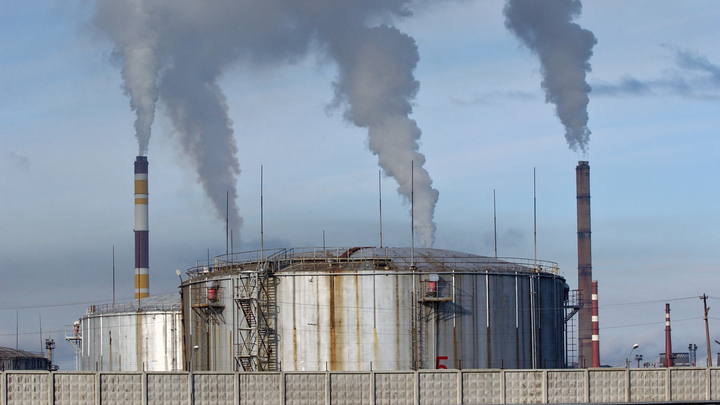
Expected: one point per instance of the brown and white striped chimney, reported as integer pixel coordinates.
(595, 326)
(582, 175)
(142, 244)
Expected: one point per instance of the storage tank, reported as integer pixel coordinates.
(350, 309)
(142, 335)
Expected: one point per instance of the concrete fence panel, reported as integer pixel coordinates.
(482, 387)
(261, 389)
(395, 388)
(607, 386)
(351, 389)
(27, 388)
(74, 389)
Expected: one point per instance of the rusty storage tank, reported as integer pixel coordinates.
(373, 308)
(142, 335)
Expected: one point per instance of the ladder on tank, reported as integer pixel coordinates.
(254, 294)
(572, 306)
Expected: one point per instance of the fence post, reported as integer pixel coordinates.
(708, 385)
(627, 384)
(502, 386)
(459, 386)
(372, 388)
(586, 374)
(236, 388)
(282, 388)
(327, 387)
(417, 388)
(668, 387)
(545, 386)
(98, 381)
(144, 385)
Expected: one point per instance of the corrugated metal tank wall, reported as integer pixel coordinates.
(145, 340)
(368, 313)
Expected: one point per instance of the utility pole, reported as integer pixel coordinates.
(707, 330)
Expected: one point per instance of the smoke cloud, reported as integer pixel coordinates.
(174, 51)
(564, 49)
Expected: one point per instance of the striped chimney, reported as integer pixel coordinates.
(668, 335)
(595, 326)
(142, 261)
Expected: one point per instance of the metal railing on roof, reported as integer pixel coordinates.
(423, 258)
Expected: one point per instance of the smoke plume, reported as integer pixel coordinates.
(564, 49)
(175, 50)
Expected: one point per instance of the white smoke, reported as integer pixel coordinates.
(564, 49)
(176, 50)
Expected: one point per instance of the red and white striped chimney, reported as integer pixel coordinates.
(668, 342)
(142, 261)
(595, 326)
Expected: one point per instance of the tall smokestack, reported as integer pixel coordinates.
(595, 327)
(142, 265)
(668, 340)
(582, 174)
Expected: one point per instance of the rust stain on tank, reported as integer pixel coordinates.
(295, 348)
(358, 335)
(336, 319)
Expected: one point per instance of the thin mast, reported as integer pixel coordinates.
(495, 223)
(380, 196)
(534, 220)
(262, 230)
(412, 214)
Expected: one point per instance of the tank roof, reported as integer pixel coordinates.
(160, 302)
(397, 258)
(9, 353)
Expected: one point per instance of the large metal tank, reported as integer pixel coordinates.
(143, 335)
(373, 308)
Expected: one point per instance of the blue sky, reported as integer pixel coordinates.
(67, 149)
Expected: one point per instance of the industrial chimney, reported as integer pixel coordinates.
(595, 326)
(585, 352)
(142, 267)
(668, 338)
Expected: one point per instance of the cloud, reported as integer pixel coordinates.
(495, 97)
(693, 77)
(22, 162)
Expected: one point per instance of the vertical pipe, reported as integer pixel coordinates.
(582, 174)
(142, 268)
(595, 326)
(380, 197)
(668, 342)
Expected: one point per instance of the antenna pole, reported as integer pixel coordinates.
(113, 276)
(262, 230)
(534, 220)
(41, 339)
(227, 220)
(495, 223)
(380, 196)
(412, 214)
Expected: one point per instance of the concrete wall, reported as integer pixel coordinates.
(371, 388)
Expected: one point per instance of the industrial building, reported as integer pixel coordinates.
(14, 359)
(366, 308)
(343, 309)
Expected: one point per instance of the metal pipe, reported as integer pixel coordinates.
(582, 172)
(142, 267)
